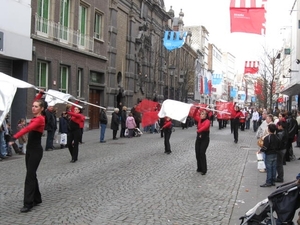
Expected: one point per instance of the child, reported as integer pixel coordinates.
(270, 148)
(23, 139)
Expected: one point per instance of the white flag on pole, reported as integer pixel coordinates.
(175, 110)
(54, 97)
(8, 90)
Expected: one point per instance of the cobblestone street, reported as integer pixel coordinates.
(132, 182)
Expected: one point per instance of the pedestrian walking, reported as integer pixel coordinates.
(114, 124)
(103, 123)
(34, 154)
(202, 140)
(167, 129)
(74, 132)
(255, 118)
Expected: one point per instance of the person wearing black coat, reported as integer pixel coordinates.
(115, 121)
(63, 126)
(103, 123)
(123, 115)
(50, 127)
(292, 130)
(282, 136)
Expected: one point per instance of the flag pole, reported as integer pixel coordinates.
(72, 103)
(214, 110)
(98, 106)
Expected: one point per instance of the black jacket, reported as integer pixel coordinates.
(103, 117)
(115, 121)
(282, 136)
(50, 121)
(292, 127)
(271, 144)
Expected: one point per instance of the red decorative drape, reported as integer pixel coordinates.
(251, 67)
(247, 18)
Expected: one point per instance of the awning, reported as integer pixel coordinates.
(291, 90)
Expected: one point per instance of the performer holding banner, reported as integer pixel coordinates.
(202, 139)
(34, 154)
(236, 115)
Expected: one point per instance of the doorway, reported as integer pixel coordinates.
(94, 98)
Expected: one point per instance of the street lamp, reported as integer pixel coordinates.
(171, 70)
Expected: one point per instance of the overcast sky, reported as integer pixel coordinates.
(214, 15)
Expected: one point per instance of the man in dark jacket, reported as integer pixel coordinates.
(270, 148)
(292, 129)
(103, 123)
(115, 121)
(50, 127)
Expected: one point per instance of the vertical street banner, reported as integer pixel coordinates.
(248, 16)
(251, 67)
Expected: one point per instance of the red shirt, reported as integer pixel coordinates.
(168, 124)
(203, 125)
(36, 124)
(77, 118)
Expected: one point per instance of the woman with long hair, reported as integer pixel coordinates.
(34, 154)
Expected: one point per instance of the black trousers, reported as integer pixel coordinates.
(115, 134)
(73, 142)
(32, 192)
(235, 126)
(167, 135)
(200, 149)
(279, 164)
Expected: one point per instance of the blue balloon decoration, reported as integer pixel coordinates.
(174, 39)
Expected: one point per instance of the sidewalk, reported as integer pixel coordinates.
(250, 192)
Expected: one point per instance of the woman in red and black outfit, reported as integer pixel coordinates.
(34, 154)
(236, 114)
(167, 129)
(202, 140)
(74, 131)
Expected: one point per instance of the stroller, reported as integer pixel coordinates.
(284, 202)
(137, 132)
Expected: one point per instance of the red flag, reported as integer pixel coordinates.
(195, 108)
(226, 107)
(149, 118)
(247, 18)
(251, 67)
(146, 105)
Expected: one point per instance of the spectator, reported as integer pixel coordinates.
(22, 139)
(63, 129)
(50, 127)
(270, 148)
(103, 123)
(123, 121)
(130, 124)
(115, 121)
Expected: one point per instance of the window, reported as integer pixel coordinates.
(64, 77)
(64, 19)
(96, 77)
(98, 26)
(42, 75)
(82, 24)
(79, 82)
(43, 13)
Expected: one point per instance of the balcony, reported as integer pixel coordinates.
(56, 32)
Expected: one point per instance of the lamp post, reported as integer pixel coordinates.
(171, 70)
